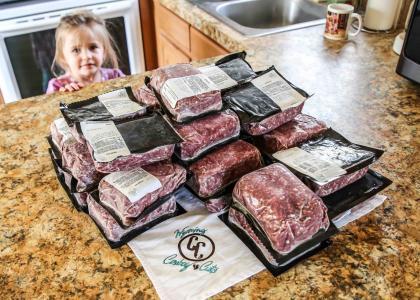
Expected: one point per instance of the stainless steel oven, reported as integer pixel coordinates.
(27, 42)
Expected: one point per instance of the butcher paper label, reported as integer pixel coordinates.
(320, 169)
(64, 129)
(176, 89)
(105, 139)
(118, 103)
(134, 184)
(278, 90)
(218, 76)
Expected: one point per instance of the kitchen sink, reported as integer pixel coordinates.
(262, 17)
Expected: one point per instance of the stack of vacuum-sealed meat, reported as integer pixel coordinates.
(236, 138)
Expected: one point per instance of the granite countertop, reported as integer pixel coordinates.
(48, 249)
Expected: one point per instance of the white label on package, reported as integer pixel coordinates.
(275, 87)
(134, 184)
(105, 139)
(64, 129)
(218, 76)
(176, 89)
(118, 103)
(306, 163)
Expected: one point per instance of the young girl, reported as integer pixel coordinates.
(83, 45)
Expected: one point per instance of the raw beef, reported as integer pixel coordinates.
(146, 97)
(170, 175)
(190, 106)
(287, 211)
(300, 129)
(114, 232)
(60, 136)
(134, 160)
(221, 167)
(272, 122)
(339, 183)
(218, 204)
(204, 133)
(81, 199)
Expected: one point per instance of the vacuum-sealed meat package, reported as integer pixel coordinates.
(280, 209)
(223, 166)
(117, 236)
(185, 92)
(146, 97)
(328, 162)
(126, 145)
(116, 105)
(265, 102)
(128, 195)
(203, 134)
(61, 134)
(229, 70)
(300, 129)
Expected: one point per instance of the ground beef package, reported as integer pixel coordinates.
(116, 105)
(215, 171)
(328, 162)
(229, 70)
(282, 217)
(185, 92)
(61, 134)
(202, 135)
(146, 97)
(265, 102)
(300, 129)
(128, 195)
(115, 235)
(126, 145)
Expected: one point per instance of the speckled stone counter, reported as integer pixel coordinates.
(49, 250)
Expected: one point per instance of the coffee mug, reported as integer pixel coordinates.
(339, 19)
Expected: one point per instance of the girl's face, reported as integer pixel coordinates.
(83, 54)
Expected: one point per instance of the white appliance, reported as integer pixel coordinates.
(27, 40)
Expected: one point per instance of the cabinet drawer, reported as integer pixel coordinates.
(203, 47)
(174, 28)
(169, 54)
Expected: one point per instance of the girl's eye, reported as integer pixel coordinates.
(94, 47)
(75, 50)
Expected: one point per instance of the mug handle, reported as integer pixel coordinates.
(359, 19)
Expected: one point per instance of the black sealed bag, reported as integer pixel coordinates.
(265, 102)
(229, 70)
(126, 145)
(328, 162)
(116, 105)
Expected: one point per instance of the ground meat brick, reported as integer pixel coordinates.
(146, 97)
(218, 204)
(204, 133)
(187, 107)
(113, 231)
(288, 212)
(216, 170)
(300, 129)
(339, 183)
(170, 175)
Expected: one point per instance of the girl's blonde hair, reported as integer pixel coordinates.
(75, 20)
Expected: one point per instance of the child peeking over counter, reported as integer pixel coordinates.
(83, 46)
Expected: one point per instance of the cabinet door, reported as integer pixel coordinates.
(203, 47)
(169, 54)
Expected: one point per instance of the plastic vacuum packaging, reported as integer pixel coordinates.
(328, 162)
(126, 145)
(128, 195)
(218, 169)
(61, 134)
(185, 92)
(146, 97)
(116, 105)
(116, 235)
(281, 215)
(218, 204)
(300, 129)
(229, 70)
(266, 102)
(203, 134)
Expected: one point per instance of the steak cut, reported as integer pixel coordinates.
(287, 211)
(165, 80)
(300, 129)
(113, 231)
(221, 167)
(204, 133)
(170, 175)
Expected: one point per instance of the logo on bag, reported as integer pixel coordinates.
(196, 247)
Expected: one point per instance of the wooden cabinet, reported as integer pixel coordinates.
(178, 42)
